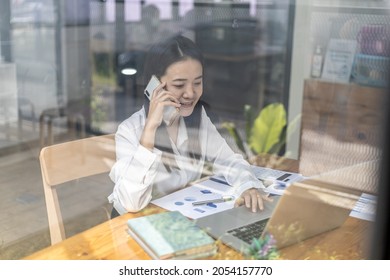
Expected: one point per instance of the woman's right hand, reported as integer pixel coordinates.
(160, 98)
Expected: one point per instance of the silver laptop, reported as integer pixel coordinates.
(306, 208)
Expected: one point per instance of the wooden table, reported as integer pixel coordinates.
(110, 240)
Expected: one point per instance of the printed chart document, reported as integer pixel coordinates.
(209, 189)
(365, 207)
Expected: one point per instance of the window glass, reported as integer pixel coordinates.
(73, 69)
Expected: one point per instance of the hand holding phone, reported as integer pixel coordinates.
(170, 112)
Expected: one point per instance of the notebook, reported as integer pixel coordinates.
(306, 209)
(170, 235)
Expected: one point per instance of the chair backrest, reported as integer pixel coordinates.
(69, 161)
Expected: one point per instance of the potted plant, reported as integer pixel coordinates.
(265, 135)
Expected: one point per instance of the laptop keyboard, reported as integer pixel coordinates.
(248, 232)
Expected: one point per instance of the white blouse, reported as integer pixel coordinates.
(139, 174)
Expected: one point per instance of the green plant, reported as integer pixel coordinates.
(263, 248)
(264, 134)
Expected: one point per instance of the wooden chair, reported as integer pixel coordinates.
(69, 161)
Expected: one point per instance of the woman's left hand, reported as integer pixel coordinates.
(253, 198)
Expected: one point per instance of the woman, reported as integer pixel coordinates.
(155, 159)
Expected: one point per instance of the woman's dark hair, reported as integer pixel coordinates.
(162, 55)
(158, 59)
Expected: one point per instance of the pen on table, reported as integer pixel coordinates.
(217, 200)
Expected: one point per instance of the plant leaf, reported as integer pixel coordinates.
(267, 128)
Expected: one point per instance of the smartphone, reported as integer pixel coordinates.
(170, 112)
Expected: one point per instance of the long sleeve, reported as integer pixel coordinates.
(135, 168)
